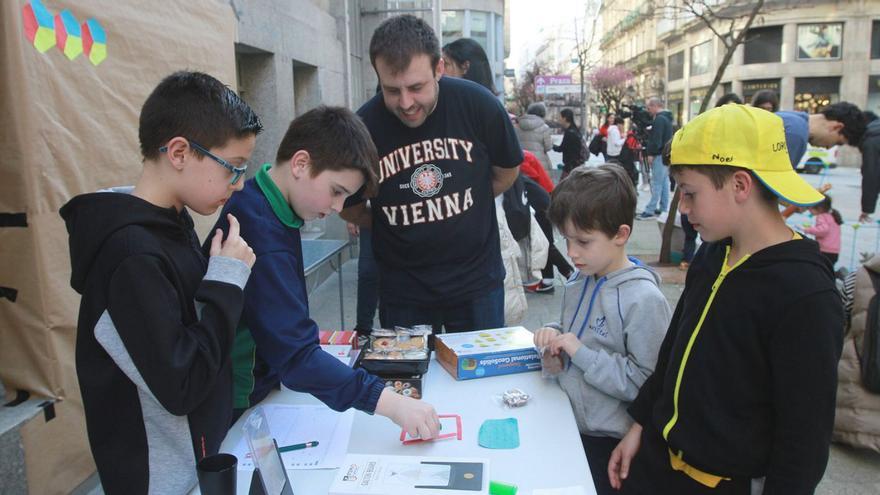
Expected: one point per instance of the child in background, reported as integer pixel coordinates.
(614, 316)
(827, 229)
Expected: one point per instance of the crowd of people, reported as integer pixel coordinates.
(732, 392)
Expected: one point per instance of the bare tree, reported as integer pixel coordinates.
(729, 22)
(585, 53)
(524, 91)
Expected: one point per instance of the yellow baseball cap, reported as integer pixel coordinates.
(747, 137)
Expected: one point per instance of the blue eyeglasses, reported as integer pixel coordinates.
(237, 172)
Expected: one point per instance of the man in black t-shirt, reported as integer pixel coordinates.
(446, 149)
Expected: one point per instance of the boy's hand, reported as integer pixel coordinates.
(544, 336)
(567, 342)
(417, 418)
(234, 246)
(621, 457)
(353, 230)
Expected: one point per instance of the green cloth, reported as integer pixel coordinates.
(276, 200)
(499, 434)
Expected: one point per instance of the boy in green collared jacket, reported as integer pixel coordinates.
(742, 398)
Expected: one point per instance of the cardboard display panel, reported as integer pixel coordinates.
(73, 76)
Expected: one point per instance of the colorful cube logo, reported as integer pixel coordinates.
(44, 31)
(39, 27)
(68, 35)
(94, 41)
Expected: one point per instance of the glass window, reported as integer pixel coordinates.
(701, 58)
(676, 66)
(875, 40)
(763, 45)
(755, 85)
(813, 93)
(479, 29)
(696, 99)
(453, 25)
(819, 41)
(874, 94)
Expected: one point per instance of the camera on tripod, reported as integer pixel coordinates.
(640, 118)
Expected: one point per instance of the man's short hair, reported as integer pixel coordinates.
(336, 139)
(851, 117)
(195, 106)
(567, 114)
(655, 101)
(601, 198)
(538, 109)
(398, 39)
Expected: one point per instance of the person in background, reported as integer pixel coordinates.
(728, 98)
(827, 229)
(571, 144)
(766, 99)
(603, 132)
(367, 281)
(870, 148)
(614, 139)
(836, 124)
(661, 133)
(535, 135)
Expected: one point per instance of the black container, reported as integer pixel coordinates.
(217, 474)
(393, 367)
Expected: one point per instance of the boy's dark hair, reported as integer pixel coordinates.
(195, 106)
(728, 98)
(398, 39)
(851, 117)
(766, 96)
(601, 198)
(336, 139)
(567, 114)
(467, 50)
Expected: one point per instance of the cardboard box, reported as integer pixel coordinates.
(363, 474)
(500, 351)
(407, 386)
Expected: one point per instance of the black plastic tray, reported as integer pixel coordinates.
(393, 367)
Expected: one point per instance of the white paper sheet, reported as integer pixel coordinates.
(568, 490)
(291, 425)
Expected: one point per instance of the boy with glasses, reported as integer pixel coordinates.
(157, 317)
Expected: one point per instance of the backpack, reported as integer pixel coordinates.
(584, 151)
(595, 146)
(869, 359)
(517, 210)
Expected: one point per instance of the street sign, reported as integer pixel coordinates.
(556, 85)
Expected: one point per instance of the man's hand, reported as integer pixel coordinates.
(621, 457)
(417, 418)
(353, 230)
(234, 246)
(865, 218)
(359, 215)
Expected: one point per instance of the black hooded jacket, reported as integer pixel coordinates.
(153, 340)
(870, 167)
(756, 381)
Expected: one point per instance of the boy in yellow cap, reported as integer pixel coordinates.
(742, 398)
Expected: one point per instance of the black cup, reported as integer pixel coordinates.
(217, 474)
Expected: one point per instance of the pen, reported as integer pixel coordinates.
(298, 446)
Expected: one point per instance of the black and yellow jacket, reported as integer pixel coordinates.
(746, 377)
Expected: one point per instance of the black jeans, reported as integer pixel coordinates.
(598, 450)
(651, 473)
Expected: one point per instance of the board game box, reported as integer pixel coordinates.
(499, 351)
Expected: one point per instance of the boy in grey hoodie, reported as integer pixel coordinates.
(614, 316)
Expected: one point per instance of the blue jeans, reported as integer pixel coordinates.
(368, 282)
(659, 186)
(481, 313)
